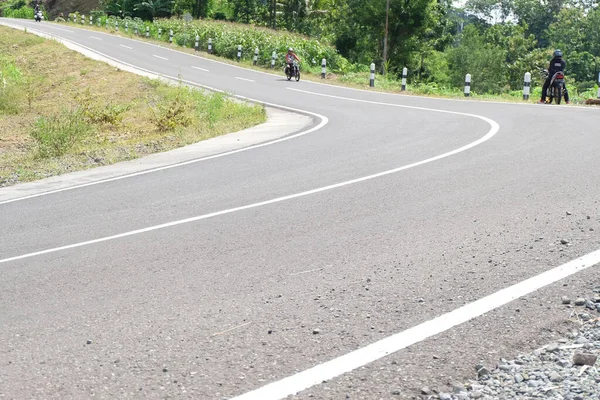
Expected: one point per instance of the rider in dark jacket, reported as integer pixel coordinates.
(556, 64)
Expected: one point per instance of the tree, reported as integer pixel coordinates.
(156, 8)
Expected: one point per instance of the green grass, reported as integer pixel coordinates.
(62, 112)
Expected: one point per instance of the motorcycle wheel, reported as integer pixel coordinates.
(297, 76)
(557, 94)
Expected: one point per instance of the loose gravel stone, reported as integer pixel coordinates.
(584, 359)
(580, 301)
(566, 300)
(546, 373)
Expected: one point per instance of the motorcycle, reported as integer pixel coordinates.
(38, 16)
(556, 89)
(294, 73)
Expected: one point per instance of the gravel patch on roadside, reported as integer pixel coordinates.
(566, 369)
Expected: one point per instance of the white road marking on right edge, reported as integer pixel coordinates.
(162, 58)
(494, 128)
(127, 47)
(365, 355)
(201, 69)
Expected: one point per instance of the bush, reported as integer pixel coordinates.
(57, 135)
(23, 12)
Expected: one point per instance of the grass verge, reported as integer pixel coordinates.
(62, 112)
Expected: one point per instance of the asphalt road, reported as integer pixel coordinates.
(225, 304)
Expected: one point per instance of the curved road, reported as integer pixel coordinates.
(217, 278)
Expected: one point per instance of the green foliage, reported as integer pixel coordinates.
(59, 134)
(24, 12)
(97, 112)
(174, 111)
(11, 81)
(483, 60)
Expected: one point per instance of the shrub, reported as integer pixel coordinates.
(57, 135)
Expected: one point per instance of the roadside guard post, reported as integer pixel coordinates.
(209, 46)
(126, 26)
(147, 31)
(197, 44)
(404, 74)
(255, 59)
(323, 68)
(467, 85)
(170, 35)
(372, 79)
(117, 26)
(599, 85)
(82, 19)
(91, 20)
(526, 86)
(239, 53)
(273, 57)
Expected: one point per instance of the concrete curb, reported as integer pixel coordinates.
(280, 123)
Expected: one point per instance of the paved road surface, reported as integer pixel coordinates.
(225, 304)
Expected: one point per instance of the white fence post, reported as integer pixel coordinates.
(273, 57)
(197, 44)
(82, 19)
(116, 25)
(404, 74)
(147, 31)
(467, 85)
(239, 52)
(323, 68)
(170, 35)
(372, 79)
(91, 20)
(526, 86)
(255, 59)
(210, 46)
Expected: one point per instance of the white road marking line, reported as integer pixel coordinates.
(365, 355)
(162, 58)
(94, 37)
(201, 69)
(244, 79)
(127, 47)
(494, 127)
(307, 272)
(61, 29)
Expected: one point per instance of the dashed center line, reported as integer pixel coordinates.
(244, 79)
(162, 58)
(127, 47)
(201, 69)
(94, 37)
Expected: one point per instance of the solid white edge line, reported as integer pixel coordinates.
(127, 47)
(201, 69)
(244, 79)
(494, 127)
(162, 58)
(375, 351)
(323, 121)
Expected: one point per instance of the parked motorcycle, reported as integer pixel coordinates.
(294, 72)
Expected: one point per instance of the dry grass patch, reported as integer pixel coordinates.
(61, 112)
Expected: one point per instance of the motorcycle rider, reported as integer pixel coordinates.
(556, 64)
(290, 57)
